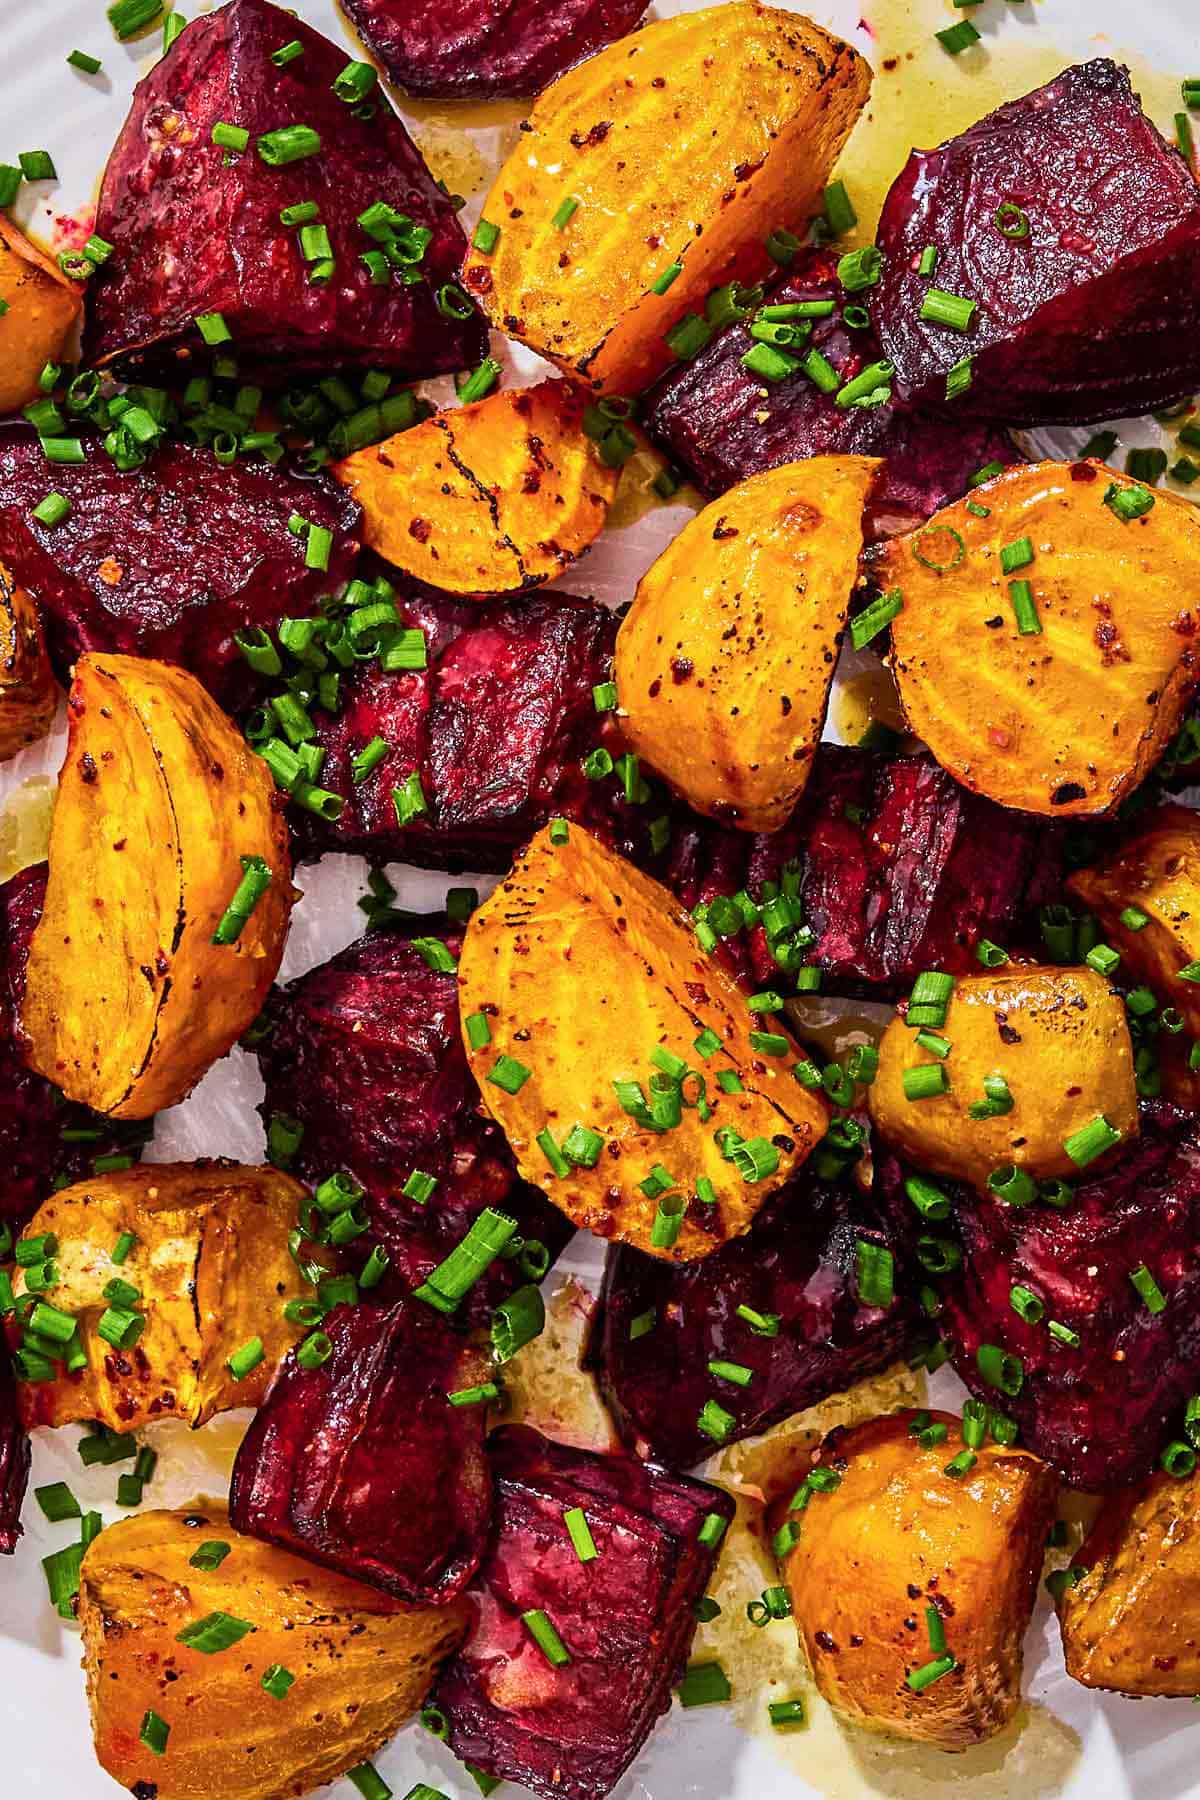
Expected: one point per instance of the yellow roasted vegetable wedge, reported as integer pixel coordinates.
(212, 1270)
(1132, 1621)
(902, 1556)
(655, 172)
(179, 1721)
(41, 307)
(1055, 1041)
(160, 805)
(1146, 894)
(489, 498)
(725, 658)
(594, 992)
(1046, 652)
(28, 691)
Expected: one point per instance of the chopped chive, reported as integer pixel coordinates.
(481, 1395)
(546, 1637)
(154, 1733)
(1026, 1304)
(960, 1465)
(783, 1713)
(1016, 555)
(579, 1532)
(256, 879)
(737, 1373)
(925, 1081)
(1090, 1141)
(486, 237)
(371, 1785)
(999, 1369)
(409, 799)
(230, 137)
(37, 165)
(919, 1679)
(1149, 1290)
(355, 82)
(245, 1360)
(669, 275)
(215, 1632)
(875, 1274)
(52, 510)
(291, 143)
(955, 39)
(129, 17)
(941, 308)
(277, 1681)
(704, 1684)
(1128, 503)
(80, 59)
(481, 381)
(714, 1422)
(210, 1555)
(57, 1502)
(875, 618)
(566, 209)
(1063, 1334)
(959, 378)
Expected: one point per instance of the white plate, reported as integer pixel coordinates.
(1067, 1742)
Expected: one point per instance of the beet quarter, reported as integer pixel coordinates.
(1073, 229)
(567, 1729)
(364, 1465)
(487, 49)
(196, 229)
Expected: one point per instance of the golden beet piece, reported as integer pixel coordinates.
(211, 1263)
(663, 163)
(160, 803)
(724, 660)
(42, 306)
(28, 691)
(489, 498)
(1058, 1038)
(1068, 718)
(361, 1663)
(588, 974)
(900, 1540)
(1133, 1621)
(1146, 894)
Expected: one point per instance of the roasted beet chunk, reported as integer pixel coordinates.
(495, 726)
(895, 868)
(1101, 1409)
(170, 559)
(44, 1142)
(196, 230)
(567, 1730)
(1075, 230)
(363, 1463)
(366, 1053)
(721, 423)
(661, 1325)
(488, 49)
(15, 1456)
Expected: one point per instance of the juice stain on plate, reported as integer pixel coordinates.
(544, 1384)
(865, 699)
(25, 825)
(635, 496)
(453, 155)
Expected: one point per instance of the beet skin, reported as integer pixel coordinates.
(15, 1457)
(625, 1616)
(798, 1262)
(487, 49)
(196, 230)
(1075, 228)
(364, 1465)
(721, 424)
(366, 1052)
(170, 559)
(1100, 1412)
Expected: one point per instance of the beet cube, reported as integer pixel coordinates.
(721, 423)
(1075, 229)
(662, 1324)
(567, 1732)
(366, 1052)
(1100, 1410)
(196, 230)
(487, 49)
(364, 1465)
(15, 1457)
(170, 559)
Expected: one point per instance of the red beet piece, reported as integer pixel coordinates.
(171, 559)
(721, 424)
(15, 1457)
(798, 1264)
(1101, 1412)
(366, 1052)
(899, 869)
(487, 49)
(1091, 314)
(625, 1617)
(44, 1142)
(196, 230)
(496, 725)
(364, 1465)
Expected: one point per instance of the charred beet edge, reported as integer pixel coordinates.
(721, 423)
(36, 1151)
(798, 1263)
(366, 1053)
(1075, 228)
(625, 1618)
(170, 559)
(197, 231)
(899, 870)
(496, 725)
(1101, 1412)
(364, 1465)
(487, 49)
(15, 1457)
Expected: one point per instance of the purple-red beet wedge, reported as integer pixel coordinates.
(487, 49)
(720, 422)
(568, 1723)
(15, 1458)
(168, 560)
(364, 1464)
(1071, 230)
(196, 229)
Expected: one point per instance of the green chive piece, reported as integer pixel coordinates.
(838, 208)
(714, 1422)
(1090, 1141)
(875, 618)
(925, 1081)
(566, 209)
(1128, 503)
(955, 39)
(999, 1369)
(277, 1681)
(129, 17)
(783, 1713)
(291, 143)
(486, 237)
(215, 1632)
(256, 879)
(154, 1732)
(80, 59)
(210, 1555)
(579, 1532)
(544, 1635)
(481, 381)
(246, 1359)
(58, 1502)
(919, 1679)
(704, 1684)
(1149, 1290)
